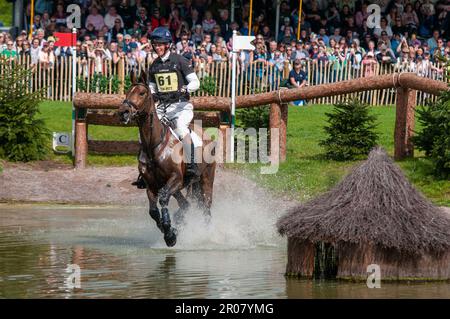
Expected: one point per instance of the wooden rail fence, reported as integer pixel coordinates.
(405, 85)
(257, 77)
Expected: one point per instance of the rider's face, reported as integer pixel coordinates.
(160, 48)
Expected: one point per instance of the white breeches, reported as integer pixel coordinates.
(181, 113)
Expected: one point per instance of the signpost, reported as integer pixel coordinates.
(239, 43)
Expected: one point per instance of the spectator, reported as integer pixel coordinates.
(298, 78)
(369, 64)
(95, 19)
(383, 27)
(35, 51)
(60, 15)
(111, 17)
(208, 22)
(174, 21)
(10, 52)
(433, 41)
(410, 19)
(156, 19)
(385, 55)
(225, 23)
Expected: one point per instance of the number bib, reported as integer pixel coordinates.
(167, 82)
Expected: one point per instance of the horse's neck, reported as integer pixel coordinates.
(151, 130)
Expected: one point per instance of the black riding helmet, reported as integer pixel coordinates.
(161, 35)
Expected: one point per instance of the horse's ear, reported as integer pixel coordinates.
(143, 78)
(133, 78)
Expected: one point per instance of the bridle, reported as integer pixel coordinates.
(142, 115)
(134, 108)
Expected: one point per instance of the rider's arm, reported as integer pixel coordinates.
(193, 82)
(191, 76)
(152, 82)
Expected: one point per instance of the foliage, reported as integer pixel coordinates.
(23, 137)
(208, 85)
(100, 83)
(350, 131)
(254, 117)
(434, 138)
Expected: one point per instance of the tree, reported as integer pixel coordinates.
(350, 132)
(434, 138)
(23, 137)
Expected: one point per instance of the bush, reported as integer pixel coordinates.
(22, 136)
(100, 83)
(350, 131)
(208, 85)
(434, 138)
(255, 117)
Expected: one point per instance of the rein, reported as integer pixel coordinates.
(142, 115)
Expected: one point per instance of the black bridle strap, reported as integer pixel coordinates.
(143, 115)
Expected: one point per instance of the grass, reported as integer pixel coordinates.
(6, 13)
(58, 117)
(306, 172)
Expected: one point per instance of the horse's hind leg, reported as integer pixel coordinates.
(184, 206)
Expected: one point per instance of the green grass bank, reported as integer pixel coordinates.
(305, 173)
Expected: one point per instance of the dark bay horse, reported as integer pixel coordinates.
(164, 176)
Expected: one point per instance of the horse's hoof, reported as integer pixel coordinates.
(207, 218)
(170, 237)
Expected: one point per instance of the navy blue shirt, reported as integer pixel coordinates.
(298, 77)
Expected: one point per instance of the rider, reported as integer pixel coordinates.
(172, 78)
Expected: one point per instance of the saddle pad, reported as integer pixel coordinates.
(194, 136)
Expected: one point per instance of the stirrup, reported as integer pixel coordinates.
(140, 182)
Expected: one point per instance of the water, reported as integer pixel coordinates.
(122, 255)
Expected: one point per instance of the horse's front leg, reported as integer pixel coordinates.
(153, 208)
(173, 185)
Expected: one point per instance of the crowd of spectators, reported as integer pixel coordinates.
(412, 34)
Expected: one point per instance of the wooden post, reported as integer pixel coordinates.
(121, 74)
(410, 122)
(81, 144)
(404, 123)
(223, 147)
(278, 119)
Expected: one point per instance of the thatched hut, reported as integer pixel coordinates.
(373, 216)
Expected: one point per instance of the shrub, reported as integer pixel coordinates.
(100, 83)
(22, 136)
(434, 138)
(350, 131)
(255, 117)
(208, 85)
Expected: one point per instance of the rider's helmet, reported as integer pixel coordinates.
(161, 35)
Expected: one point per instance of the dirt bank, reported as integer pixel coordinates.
(52, 182)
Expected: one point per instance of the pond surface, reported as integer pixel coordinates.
(121, 254)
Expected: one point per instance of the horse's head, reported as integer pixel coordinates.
(137, 101)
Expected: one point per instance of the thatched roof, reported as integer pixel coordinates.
(374, 204)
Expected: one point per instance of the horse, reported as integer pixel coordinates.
(165, 176)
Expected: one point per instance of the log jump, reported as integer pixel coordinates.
(406, 85)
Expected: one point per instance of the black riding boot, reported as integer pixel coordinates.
(140, 182)
(189, 157)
